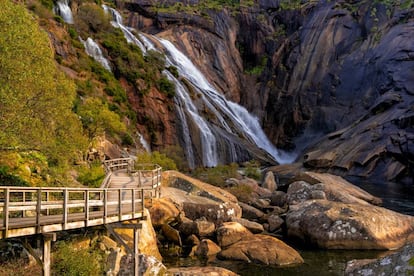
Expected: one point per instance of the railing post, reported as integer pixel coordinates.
(120, 205)
(142, 200)
(38, 209)
(86, 207)
(133, 202)
(6, 212)
(65, 207)
(105, 203)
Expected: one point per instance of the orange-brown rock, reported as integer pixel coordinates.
(262, 249)
(231, 232)
(200, 270)
(207, 248)
(163, 211)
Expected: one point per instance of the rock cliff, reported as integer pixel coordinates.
(331, 80)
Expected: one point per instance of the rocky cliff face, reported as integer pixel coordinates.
(330, 78)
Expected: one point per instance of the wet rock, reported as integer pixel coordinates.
(231, 232)
(261, 249)
(148, 265)
(335, 225)
(171, 234)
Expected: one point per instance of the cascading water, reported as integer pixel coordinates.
(228, 134)
(62, 8)
(93, 50)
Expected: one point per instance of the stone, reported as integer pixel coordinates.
(187, 227)
(231, 232)
(258, 191)
(278, 198)
(114, 261)
(171, 234)
(250, 212)
(108, 242)
(163, 211)
(275, 222)
(204, 228)
(252, 226)
(148, 265)
(261, 249)
(207, 248)
(337, 225)
(397, 263)
(269, 182)
(200, 270)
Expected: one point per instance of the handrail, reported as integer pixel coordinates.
(34, 210)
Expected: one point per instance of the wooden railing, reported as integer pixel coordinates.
(27, 211)
(35, 210)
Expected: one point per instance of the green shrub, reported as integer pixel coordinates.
(242, 192)
(156, 158)
(252, 169)
(217, 175)
(92, 176)
(8, 179)
(166, 87)
(76, 262)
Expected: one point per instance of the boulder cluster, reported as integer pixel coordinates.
(315, 209)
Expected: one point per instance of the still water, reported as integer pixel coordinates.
(396, 197)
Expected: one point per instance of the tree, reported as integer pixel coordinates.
(35, 97)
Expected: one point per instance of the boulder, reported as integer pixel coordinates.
(148, 265)
(275, 222)
(250, 212)
(171, 234)
(398, 263)
(278, 198)
(252, 226)
(203, 227)
(337, 189)
(231, 232)
(269, 182)
(200, 270)
(163, 211)
(207, 248)
(258, 191)
(198, 199)
(261, 249)
(337, 225)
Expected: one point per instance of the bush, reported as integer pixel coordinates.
(218, 175)
(156, 158)
(92, 176)
(7, 179)
(252, 170)
(166, 87)
(69, 261)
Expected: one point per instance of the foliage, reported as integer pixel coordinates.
(242, 192)
(91, 176)
(91, 18)
(98, 119)
(75, 262)
(217, 175)
(156, 158)
(166, 86)
(176, 153)
(7, 179)
(252, 169)
(35, 97)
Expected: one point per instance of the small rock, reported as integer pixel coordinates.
(207, 248)
(269, 182)
(203, 227)
(230, 233)
(252, 226)
(275, 222)
(278, 198)
(250, 212)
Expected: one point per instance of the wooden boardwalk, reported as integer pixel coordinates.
(39, 210)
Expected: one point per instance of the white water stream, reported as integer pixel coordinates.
(62, 8)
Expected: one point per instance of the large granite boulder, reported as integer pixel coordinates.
(337, 225)
(261, 249)
(198, 199)
(163, 211)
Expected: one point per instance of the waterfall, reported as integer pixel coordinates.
(62, 8)
(144, 143)
(93, 50)
(212, 129)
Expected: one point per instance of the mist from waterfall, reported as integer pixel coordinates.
(63, 10)
(233, 125)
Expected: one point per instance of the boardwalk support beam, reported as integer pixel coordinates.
(44, 260)
(133, 251)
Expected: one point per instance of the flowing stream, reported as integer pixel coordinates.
(62, 8)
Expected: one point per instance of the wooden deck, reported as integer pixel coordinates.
(27, 211)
